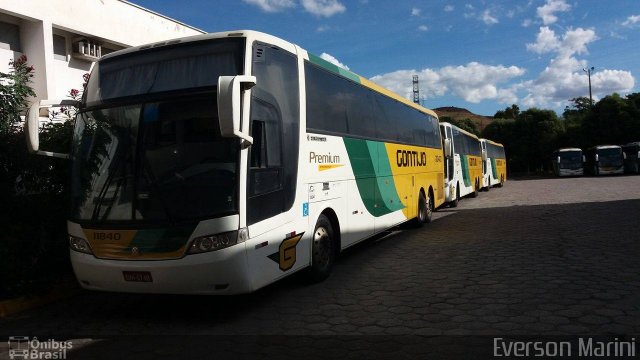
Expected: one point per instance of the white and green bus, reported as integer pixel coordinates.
(463, 165)
(220, 163)
(494, 164)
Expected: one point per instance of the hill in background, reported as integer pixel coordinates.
(460, 114)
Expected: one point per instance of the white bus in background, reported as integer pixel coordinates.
(463, 163)
(568, 162)
(220, 163)
(604, 160)
(494, 164)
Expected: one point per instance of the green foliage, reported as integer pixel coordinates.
(511, 112)
(465, 124)
(14, 92)
(33, 193)
(532, 136)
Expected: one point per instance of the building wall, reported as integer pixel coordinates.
(115, 24)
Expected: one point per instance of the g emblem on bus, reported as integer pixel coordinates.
(135, 251)
(286, 255)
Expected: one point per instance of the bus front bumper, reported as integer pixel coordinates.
(221, 272)
(611, 171)
(571, 172)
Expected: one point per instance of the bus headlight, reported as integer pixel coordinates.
(79, 244)
(209, 243)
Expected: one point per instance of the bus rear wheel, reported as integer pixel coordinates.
(323, 250)
(475, 189)
(454, 202)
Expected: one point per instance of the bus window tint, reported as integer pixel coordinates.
(339, 106)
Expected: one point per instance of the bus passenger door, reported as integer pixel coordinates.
(277, 244)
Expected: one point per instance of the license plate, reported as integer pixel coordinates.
(137, 276)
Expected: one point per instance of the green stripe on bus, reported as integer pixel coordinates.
(374, 187)
(333, 68)
(465, 170)
(494, 168)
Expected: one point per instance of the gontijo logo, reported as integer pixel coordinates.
(405, 158)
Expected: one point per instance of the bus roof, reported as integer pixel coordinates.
(492, 142)
(598, 147)
(256, 35)
(461, 130)
(568, 149)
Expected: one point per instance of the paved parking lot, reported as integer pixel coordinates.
(542, 256)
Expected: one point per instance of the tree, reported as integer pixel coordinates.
(14, 92)
(511, 112)
(464, 124)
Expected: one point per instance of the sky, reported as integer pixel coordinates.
(479, 55)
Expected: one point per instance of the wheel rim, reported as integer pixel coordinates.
(321, 246)
(429, 207)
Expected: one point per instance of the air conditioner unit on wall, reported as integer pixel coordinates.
(86, 49)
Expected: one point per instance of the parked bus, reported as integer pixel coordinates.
(568, 162)
(604, 160)
(463, 166)
(220, 163)
(494, 164)
(631, 153)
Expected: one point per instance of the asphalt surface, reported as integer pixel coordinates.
(537, 257)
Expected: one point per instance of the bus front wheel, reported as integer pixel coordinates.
(323, 250)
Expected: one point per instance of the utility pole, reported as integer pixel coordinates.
(588, 71)
(416, 90)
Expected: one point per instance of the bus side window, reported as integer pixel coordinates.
(275, 109)
(266, 151)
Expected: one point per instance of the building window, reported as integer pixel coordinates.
(59, 47)
(10, 37)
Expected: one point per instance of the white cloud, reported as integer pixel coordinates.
(323, 28)
(563, 77)
(546, 41)
(272, 5)
(632, 21)
(423, 28)
(333, 60)
(548, 10)
(449, 8)
(526, 22)
(473, 82)
(415, 12)
(487, 18)
(326, 8)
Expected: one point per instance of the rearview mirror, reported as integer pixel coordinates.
(597, 158)
(558, 159)
(447, 148)
(584, 159)
(233, 102)
(32, 125)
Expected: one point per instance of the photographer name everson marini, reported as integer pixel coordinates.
(586, 347)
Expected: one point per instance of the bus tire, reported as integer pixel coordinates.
(488, 185)
(475, 189)
(430, 207)
(419, 220)
(501, 184)
(323, 252)
(454, 202)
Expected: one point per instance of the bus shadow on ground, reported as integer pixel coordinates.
(554, 255)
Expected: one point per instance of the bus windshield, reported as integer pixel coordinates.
(156, 161)
(147, 144)
(610, 156)
(571, 159)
